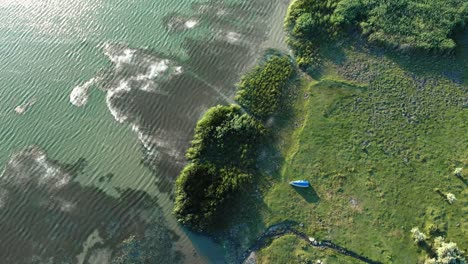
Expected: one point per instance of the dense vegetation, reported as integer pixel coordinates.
(426, 25)
(221, 159)
(226, 136)
(403, 24)
(379, 133)
(260, 90)
(201, 191)
(381, 137)
(308, 23)
(224, 149)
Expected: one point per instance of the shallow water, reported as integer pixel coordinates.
(98, 103)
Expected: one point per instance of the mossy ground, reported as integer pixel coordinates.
(376, 133)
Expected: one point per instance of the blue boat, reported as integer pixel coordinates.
(300, 183)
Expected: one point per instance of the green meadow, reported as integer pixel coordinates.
(379, 126)
(377, 123)
(379, 136)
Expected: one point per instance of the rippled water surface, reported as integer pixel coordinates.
(98, 101)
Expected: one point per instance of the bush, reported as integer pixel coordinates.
(306, 54)
(417, 235)
(260, 90)
(417, 24)
(310, 22)
(226, 137)
(316, 15)
(446, 253)
(450, 198)
(201, 191)
(222, 158)
(403, 24)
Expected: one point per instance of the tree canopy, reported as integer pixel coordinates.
(420, 24)
(225, 136)
(260, 90)
(401, 24)
(221, 158)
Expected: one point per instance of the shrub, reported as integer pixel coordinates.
(446, 253)
(226, 137)
(450, 198)
(260, 90)
(402, 24)
(417, 235)
(222, 158)
(202, 189)
(310, 22)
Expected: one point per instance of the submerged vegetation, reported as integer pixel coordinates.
(224, 148)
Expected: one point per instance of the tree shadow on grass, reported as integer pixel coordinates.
(420, 63)
(463, 180)
(309, 194)
(241, 220)
(427, 248)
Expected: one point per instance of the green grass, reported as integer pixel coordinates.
(376, 135)
(280, 252)
(408, 26)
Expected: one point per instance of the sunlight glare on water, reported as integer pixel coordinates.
(99, 103)
(51, 17)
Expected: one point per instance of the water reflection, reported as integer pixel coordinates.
(49, 218)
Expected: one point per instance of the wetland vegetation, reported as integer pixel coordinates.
(377, 124)
(260, 90)
(380, 133)
(221, 163)
(406, 25)
(225, 146)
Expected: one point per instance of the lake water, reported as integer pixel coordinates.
(98, 101)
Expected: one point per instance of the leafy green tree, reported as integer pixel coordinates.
(305, 25)
(222, 157)
(226, 136)
(201, 191)
(402, 24)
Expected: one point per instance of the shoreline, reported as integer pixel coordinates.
(283, 229)
(275, 38)
(345, 80)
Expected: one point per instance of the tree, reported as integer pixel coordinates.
(446, 253)
(222, 157)
(417, 235)
(450, 198)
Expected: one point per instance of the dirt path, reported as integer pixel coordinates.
(283, 229)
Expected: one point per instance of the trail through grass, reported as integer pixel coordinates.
(376, 135)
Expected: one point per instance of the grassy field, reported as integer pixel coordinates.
(289, 248)
(376, 134)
